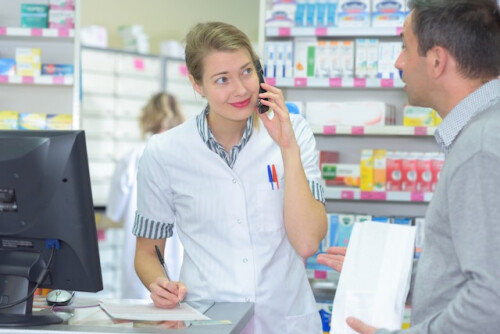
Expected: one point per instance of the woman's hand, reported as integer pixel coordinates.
(334, 258)
(280, 127)
(167, 294)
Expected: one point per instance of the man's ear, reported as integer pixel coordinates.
(437, 60)
(196, 87)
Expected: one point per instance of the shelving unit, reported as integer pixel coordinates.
(40, 94)
(116, 85)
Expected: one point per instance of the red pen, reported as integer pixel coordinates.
(275, 177)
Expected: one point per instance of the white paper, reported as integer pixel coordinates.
(375, 277)
(144, 310)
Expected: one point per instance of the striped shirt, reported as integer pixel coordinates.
(207, 137)
(463, 112)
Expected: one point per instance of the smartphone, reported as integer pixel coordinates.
(261, 108)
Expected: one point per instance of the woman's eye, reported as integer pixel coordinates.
(247, 71)
(221, 80)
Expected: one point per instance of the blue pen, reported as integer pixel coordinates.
(270, 175)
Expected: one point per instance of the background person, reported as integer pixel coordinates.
(159, 114)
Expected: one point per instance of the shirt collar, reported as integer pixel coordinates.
(480, 100)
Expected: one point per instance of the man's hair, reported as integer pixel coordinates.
(468, 29)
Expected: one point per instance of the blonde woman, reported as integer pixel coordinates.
(242, 189)
(159, 114)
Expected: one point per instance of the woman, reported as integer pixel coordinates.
(159, 114)
(242, 188)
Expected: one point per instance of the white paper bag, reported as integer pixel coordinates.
(375, 277)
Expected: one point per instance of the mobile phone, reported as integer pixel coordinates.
(261, 108)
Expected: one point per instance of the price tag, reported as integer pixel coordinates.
(358, 130)
(321, 31)
(320, 274)
(36, 32)
(379, 195)
(335, 82)
(347, 194)
(284, 31)
(3, 31)
(417, 197)
(300, 82)
(399, 30)
(329, 130)
(387, 83)
(359, 82)
(28, 80)
(271, 81)
(183, 70)
(63, 32)
(139, 64)
(420, 131)
(58, 80)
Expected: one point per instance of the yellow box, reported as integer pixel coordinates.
(9, 120)
(437, 118)
(28, 55)
(379, 170)
(59, 122)
(366, 166)
(418, 116)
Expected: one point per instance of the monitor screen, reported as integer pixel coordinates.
(48, 236)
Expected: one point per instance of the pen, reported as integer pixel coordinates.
(163, 265)
(270, 176)
(275, 177)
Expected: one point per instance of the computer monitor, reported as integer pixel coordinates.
(47, 222)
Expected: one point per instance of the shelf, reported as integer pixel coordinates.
(383, 196)
(55, 80)
(389, 130)
(333, 32)
(336, 82)
(36, 32)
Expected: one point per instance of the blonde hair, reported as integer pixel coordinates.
(159, 114)
(205, 38)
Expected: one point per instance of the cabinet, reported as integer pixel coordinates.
(116, 85)
(45, 94)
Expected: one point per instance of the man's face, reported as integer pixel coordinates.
(413, 67)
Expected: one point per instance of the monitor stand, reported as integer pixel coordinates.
(16, 282)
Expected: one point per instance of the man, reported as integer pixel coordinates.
(451, 62)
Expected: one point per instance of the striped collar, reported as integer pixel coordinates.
(480, 100)
(208, 138)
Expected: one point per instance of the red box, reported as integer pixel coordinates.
(424, 173)
(437, 163)
(394, 171)
(409, 167)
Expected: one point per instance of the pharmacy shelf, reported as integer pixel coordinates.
(336, 82)
(36, 32)
(389, 130)
(55, 80)
(332, 32)
(354, 194)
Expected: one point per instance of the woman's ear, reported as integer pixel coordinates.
(196, 87)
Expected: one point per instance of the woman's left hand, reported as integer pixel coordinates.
(279, 127)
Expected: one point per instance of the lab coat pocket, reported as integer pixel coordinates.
(304, 323)
(270, 207)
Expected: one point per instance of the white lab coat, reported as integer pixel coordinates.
(121, 206)
(230, 222)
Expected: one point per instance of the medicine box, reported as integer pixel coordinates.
(343, 175)
(388, 13)
(353, 13)
(34, 15)
(57, 69)
(32, 121)
(7, 66)
(59, 122)
(9, 120)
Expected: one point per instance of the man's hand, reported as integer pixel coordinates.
(334, 258)
(359, 326)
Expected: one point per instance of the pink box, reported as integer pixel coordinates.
(424, 173)
(409, 172)
(393, 171)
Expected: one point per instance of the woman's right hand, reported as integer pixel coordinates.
(334, 258)
(167, 294)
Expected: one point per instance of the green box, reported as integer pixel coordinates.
(34, 15)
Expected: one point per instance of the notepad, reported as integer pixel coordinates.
(144, 310)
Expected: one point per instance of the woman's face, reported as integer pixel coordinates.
(230, 84)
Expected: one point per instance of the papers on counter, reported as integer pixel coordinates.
(144, 310)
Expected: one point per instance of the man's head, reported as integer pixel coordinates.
(468, 29)
(450, 47)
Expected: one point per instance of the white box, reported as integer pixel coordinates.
(353, 13)
(388, 13)
(347, 113)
